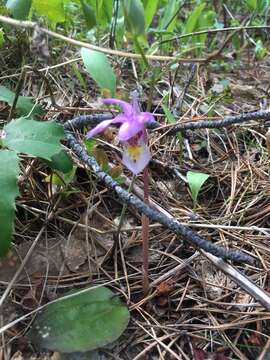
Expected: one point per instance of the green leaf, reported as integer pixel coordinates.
(2, 40)
(89, 145)
(134, 17)
(194, 18)
(19, 9)
(35, 138)
(167, 22)
(24, 104)
(105, 10)
(59, 180)
(205, 21)
(82, 322)
(195, 182)
(252, 4)
(89, 14)
(61, 162)
(52, 9)
(149, 12)
(9, 191)
(171, 120)
(98, 66)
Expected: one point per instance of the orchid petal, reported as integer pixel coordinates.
(127, 108)
(136, 163)
(146, 117)
(104, 124)
(120, 119)
(129, 129)
(99, 128)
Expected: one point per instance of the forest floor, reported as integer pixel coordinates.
(196, 312)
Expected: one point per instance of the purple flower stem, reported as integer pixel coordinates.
(145, 234)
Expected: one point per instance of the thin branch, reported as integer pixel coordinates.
(215, 31)
(31, 25)
(172, 129)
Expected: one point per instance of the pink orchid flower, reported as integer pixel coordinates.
(132, 133)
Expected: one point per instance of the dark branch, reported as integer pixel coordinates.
(92, 120)
(152, 214)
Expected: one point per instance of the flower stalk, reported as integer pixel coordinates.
(145, 234)
(136, 156)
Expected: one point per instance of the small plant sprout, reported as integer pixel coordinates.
(195, 182)
(136, 154)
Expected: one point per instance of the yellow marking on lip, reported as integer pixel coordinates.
(134, 152)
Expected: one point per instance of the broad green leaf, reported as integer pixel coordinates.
(195, 182)
(35, 138)
(81, 322)
(9, 191)
(194, 18)
(149, 11)
(52, 9)
(98, 66)
(24, 104)
(19, 9)
(61, 162)
(252, 4)
(134, 17)
(89, 14)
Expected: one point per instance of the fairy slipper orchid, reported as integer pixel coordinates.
(132, 133)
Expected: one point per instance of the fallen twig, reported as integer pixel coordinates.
(153, 214)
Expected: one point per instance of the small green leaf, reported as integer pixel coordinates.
(98, 66)
(52, 9)
(24, 104)
(134, 17)
(59, 180)
(35, 138)
(194, 18)
(172, 120)
(149, 12)
(195, 182)
(61, 162)
(89, 14)
(19, 9)
(9, 191)
(89, 145)
(82, 322)
(2, 40)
